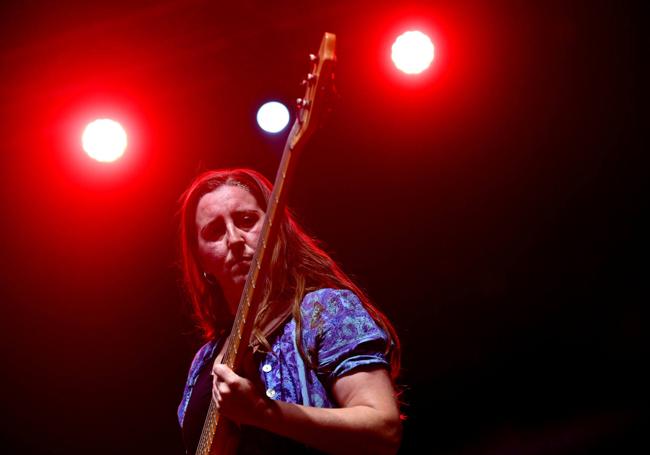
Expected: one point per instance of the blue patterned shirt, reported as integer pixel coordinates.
(338, 335)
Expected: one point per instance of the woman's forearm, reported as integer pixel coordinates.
(351, 430)
(367, 420)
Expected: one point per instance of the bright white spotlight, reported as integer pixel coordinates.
(104, 140)
(273, 117)
(412, 52)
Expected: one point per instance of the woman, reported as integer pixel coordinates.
(323, 359)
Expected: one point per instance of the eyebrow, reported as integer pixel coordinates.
(236, 212)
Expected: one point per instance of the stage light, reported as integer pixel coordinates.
(273, 117)
(412, 52)
(104, 140)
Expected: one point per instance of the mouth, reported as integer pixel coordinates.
(240, 265)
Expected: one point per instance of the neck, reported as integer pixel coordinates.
(232, 296)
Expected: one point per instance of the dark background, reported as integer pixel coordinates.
(492, 207)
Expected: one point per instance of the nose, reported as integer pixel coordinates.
(234, 236)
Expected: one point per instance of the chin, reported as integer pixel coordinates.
(239, 281)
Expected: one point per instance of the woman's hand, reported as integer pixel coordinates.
(236, 397)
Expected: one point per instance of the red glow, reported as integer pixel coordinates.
(430, 22)
(73, 119)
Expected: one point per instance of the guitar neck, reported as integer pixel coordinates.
(248, 305)
(219, 436)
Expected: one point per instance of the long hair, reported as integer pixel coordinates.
(298, 266)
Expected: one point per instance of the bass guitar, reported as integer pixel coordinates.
(219, 435)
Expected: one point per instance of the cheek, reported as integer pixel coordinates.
(211, 254)
(252, 238)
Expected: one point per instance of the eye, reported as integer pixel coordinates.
(213, 231)
(246, 220)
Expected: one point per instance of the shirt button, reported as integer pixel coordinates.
(270, 393)
(266, 368)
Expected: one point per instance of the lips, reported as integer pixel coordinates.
(242, 264)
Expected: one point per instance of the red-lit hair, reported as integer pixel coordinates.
(298, 266)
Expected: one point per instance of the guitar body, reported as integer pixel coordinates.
(220, 436)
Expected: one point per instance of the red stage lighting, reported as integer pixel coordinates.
(104, 140)
(412, 52)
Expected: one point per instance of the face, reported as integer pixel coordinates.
(228, 223)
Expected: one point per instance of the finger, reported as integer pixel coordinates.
(216, 395)
(219, 389)
(224, 373)
(223, 389)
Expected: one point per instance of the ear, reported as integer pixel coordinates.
(210, 279)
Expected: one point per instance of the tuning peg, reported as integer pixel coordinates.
(310, 78)
(302, 103)
(313, 58)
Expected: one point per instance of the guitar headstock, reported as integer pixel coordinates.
(319, 91)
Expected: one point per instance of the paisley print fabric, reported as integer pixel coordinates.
(338, 336)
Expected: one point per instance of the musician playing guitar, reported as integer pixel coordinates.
(297, 359)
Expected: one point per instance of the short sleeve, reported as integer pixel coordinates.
(200, 358)
(340, 335)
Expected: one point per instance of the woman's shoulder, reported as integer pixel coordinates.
(330, 297)
(337, 326)
(206, 349)
(329, 306)
(329, 302)
(204, 354)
